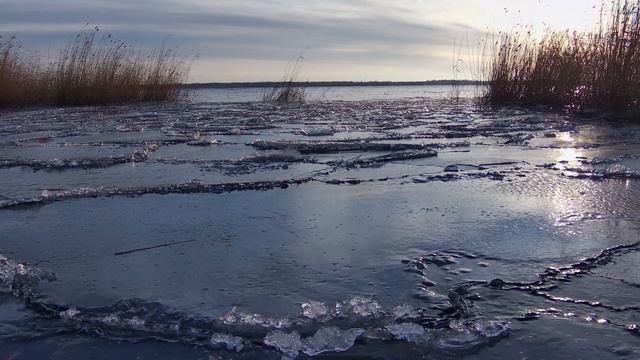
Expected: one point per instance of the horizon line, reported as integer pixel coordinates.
(260, 84)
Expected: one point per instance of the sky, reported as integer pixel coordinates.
(254, 40)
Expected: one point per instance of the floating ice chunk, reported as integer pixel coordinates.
(150, 114)
(276, 323)
(314, 309)
(460, 339)
(464, 337)
(235, 317)
(465, 118)
(317, 131)
(203, 142)
(56, 162)
(618, 169)
(230, 317)
(359, 305)
(408, 331)
(20, 279)
(405, 311)
(451, 168)
(265, 145)
(69, 313)
(135, 322)
(169, 131)
(493, 329)
(227, 341)
(288, 344)
(22, 269)
(111, 319)
(123, 128)
(330, 339)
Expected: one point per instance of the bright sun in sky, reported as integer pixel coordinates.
(252, 40)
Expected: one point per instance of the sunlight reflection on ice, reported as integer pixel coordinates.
(568, 153)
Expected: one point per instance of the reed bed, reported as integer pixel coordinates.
(90, 70)
(598, 69)
(289, 90)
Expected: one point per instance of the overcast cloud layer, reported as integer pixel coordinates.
(252, 40)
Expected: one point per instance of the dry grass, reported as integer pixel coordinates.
(469, 66)
(599, 69)
(89, 71)
(289, 90)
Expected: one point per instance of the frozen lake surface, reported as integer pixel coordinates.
(370, 223)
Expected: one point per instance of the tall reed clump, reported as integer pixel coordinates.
(90, 71)
(289, 90)
(598, 69)
(21, 79)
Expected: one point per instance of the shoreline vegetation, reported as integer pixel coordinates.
(597, 70)
(90, 70)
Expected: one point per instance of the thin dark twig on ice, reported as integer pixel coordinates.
(152, 247)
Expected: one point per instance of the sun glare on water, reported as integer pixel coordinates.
(568, 152)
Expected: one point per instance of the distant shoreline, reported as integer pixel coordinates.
(269, 84)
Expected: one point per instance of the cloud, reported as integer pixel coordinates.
(356, 34)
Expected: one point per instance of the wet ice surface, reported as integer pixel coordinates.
(393, 228)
